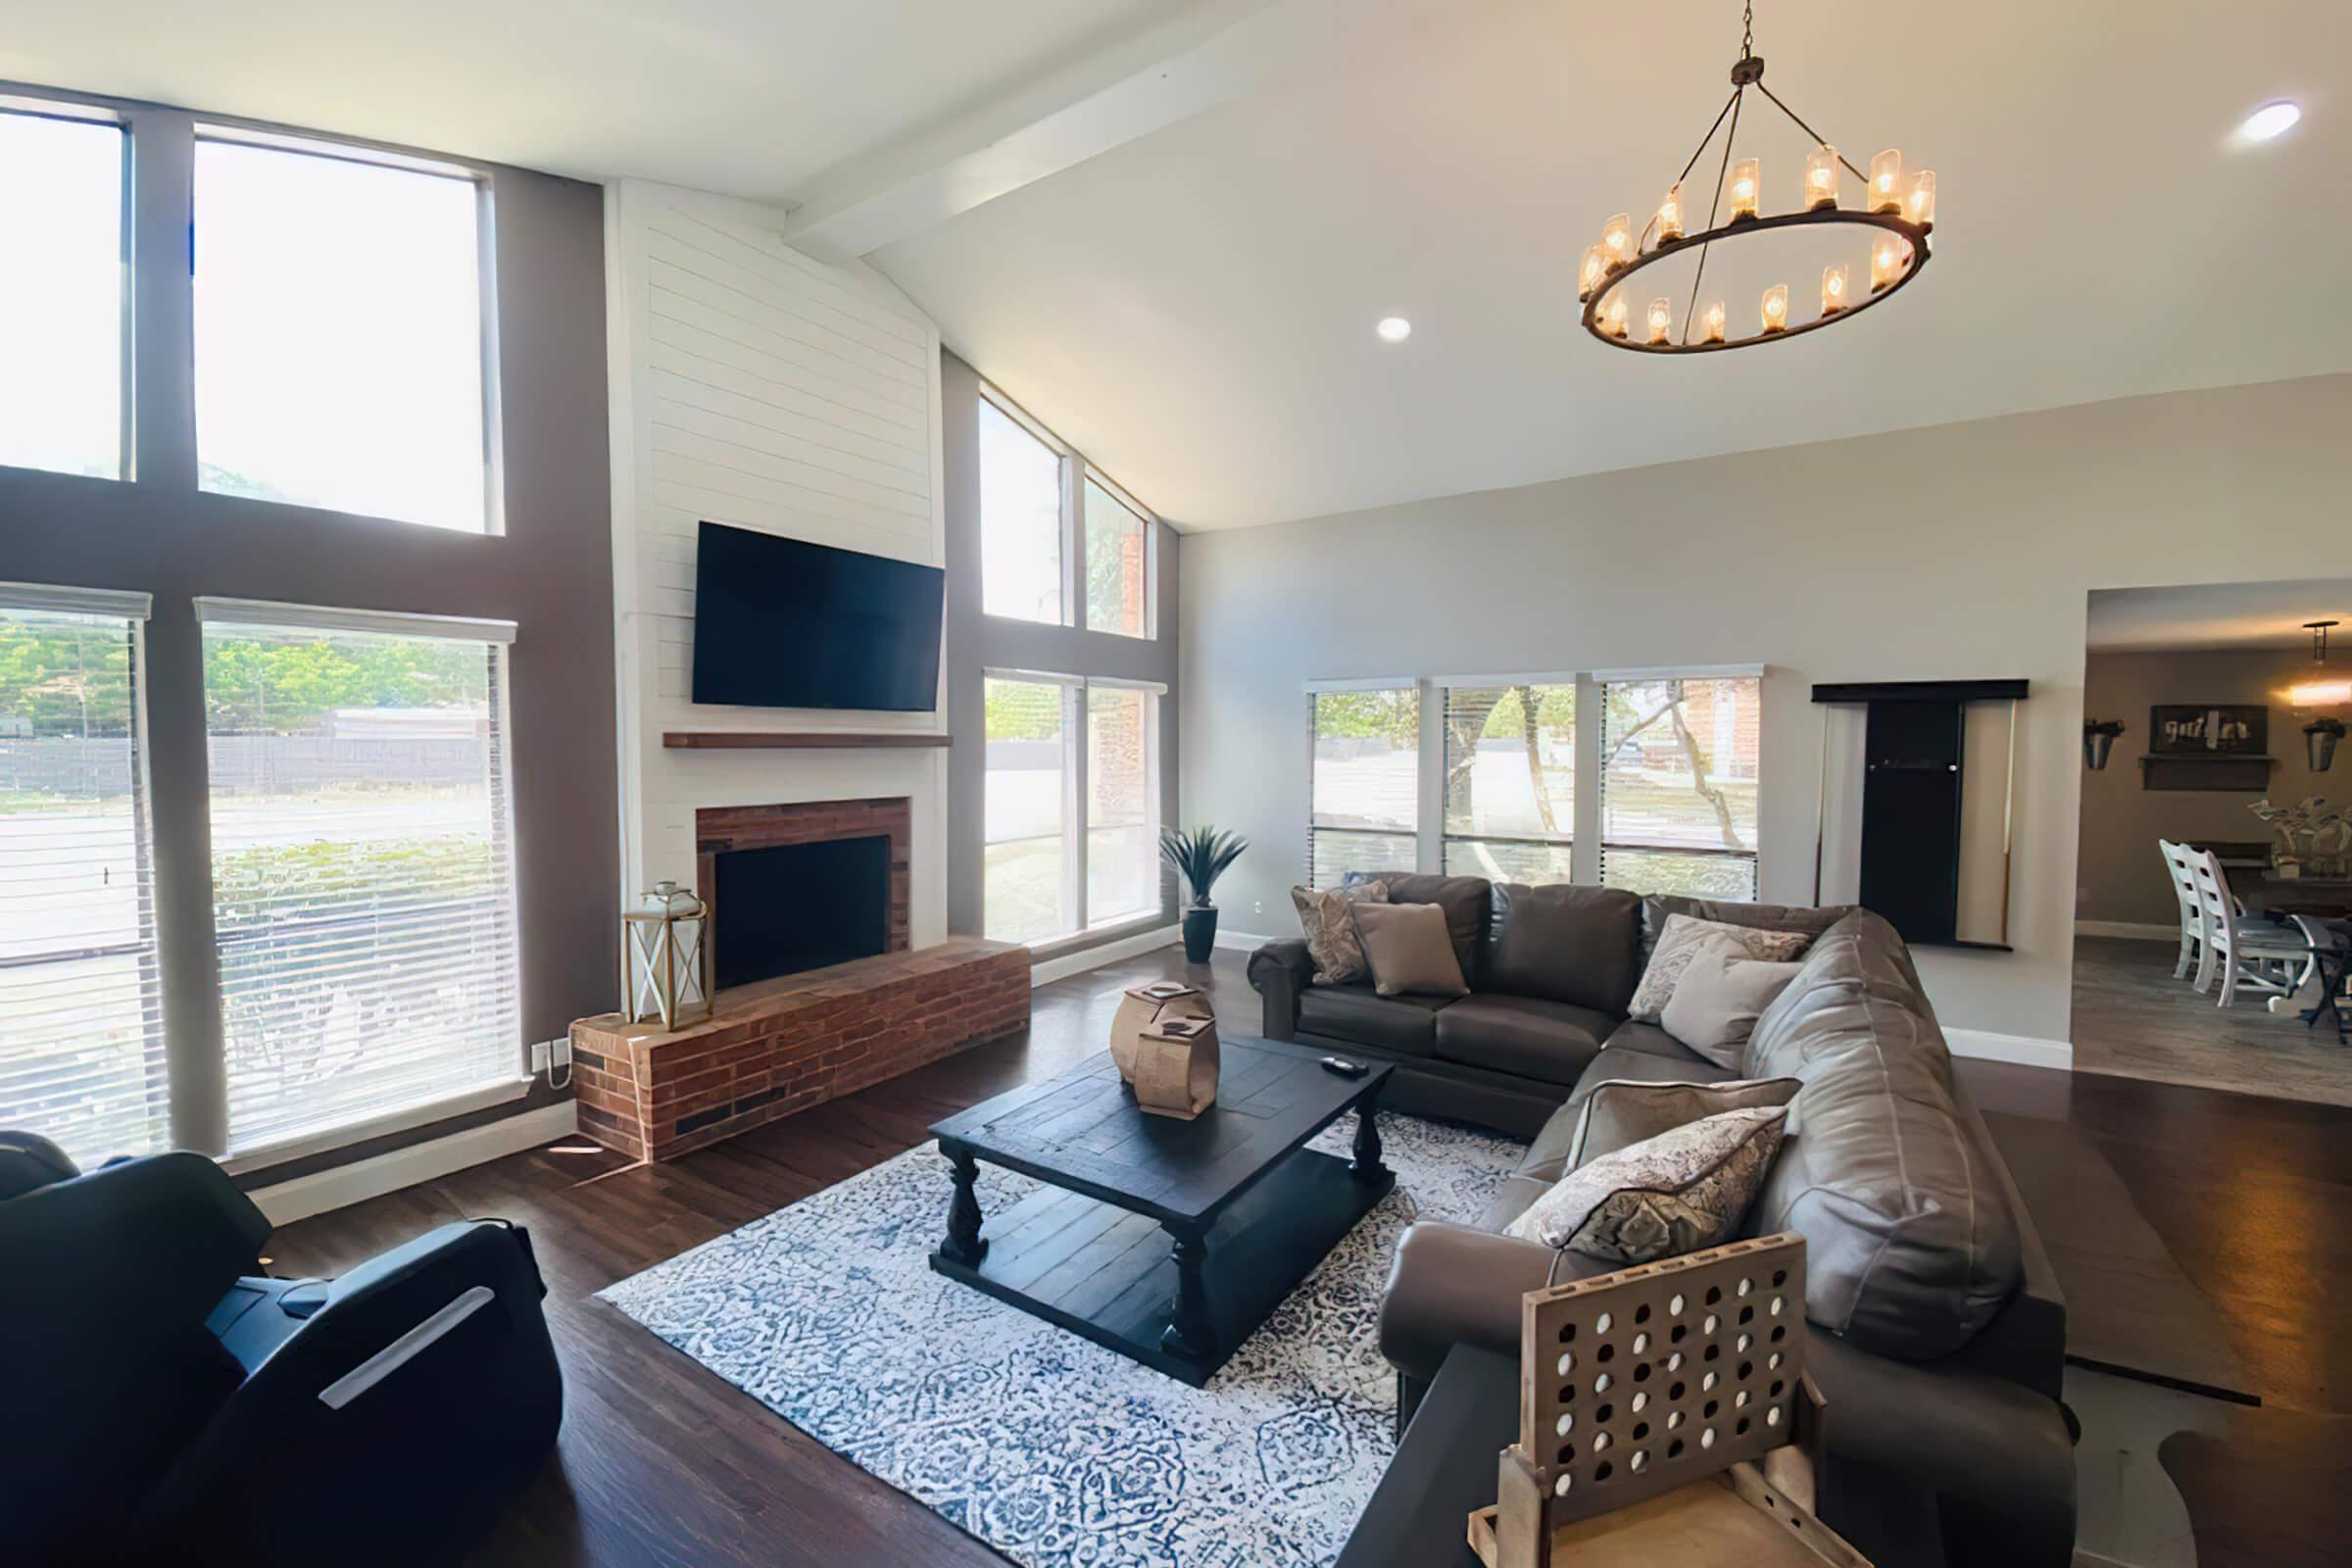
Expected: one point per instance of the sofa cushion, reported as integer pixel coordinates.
(1664, 1197)
(1406, 947)
(1331, 939)
(1658, 907)
(1565, 943)
(1355, 1013)
(1911, 1246)
(1523, 1036)
(1466, 901)
(1614, 1065)
(1511, 1200)
(1617, 1114)
(1651, 1040)
(1719, 998)
(1686, 938)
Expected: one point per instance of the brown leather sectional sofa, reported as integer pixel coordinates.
(1938, 1333)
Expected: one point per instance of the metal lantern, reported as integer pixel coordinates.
(2098, 740)
(663, 950)
(2318, 742)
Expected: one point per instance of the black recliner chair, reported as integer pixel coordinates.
(160, 1400)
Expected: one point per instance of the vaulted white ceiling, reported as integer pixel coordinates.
(1169, 228)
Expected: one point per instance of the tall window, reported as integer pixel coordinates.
(1070, 820)
(1510, 781)
(1060, 544)
(82, 1039)
(339, 345)
(1118, 553)
(363, 864)
(1020, 521)
(1365, 813)
(1027, 891)
(1678, 786)
(61, 295)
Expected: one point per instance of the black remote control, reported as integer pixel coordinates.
(1344, 1067)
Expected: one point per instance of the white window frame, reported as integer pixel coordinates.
(1074, 472)
(501, 634)
(1428, 777)
(485, 272)
(1602, 679)
(1074, 770)
(1442, 687)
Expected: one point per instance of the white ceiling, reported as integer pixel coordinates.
(1194, 306)
(752, 98)
(2216, 615)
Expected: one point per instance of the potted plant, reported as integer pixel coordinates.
(1201, 856)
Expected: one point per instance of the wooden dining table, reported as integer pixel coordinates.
(2329, 898)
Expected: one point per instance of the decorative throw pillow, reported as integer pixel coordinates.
(1409, 950)
(1717, 1001)
(1670, 1195)
(1623, 1112)
(1683, 939)
(1331, 939)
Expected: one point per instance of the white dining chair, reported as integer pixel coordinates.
(2238, 949)
(2177, 858)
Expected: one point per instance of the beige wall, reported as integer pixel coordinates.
(1963, 550)
(2118, 877)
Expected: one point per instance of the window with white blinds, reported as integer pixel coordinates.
(81, 1038)
(1678, 785)
(1365, 810)
(363, 864)
(1510, 780)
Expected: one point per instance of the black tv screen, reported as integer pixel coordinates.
(784, 623)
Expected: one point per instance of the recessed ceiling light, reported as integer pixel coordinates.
(1394, 329)
(2273, 119)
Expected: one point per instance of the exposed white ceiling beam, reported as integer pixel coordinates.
(1204, 57)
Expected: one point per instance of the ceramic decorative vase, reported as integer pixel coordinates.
(1145, 1014)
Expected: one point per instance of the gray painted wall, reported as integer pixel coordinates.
(2120, 877)
(976, 643)
(550, 572)
(1963, 550)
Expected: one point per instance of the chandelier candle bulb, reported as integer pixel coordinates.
(1670, 216)
(1821, 177)
(1714, 323)
(1922, 206)
(1748, 187)
(1886, 181)
(1776, 308)
(1661, 319)
(1617, 240)
(1832, 288)
(1612, 316)
(1589, 274)
(1888, 259)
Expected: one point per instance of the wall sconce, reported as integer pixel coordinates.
(2318, 742)
(2098, 740)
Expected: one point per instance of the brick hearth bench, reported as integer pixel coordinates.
(780, 1046)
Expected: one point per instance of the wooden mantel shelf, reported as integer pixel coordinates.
(796, 740)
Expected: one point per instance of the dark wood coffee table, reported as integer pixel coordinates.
(1166, 1241)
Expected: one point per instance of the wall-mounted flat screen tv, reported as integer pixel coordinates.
(784, 623)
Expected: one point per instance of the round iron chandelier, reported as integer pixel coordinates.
(1897, 215)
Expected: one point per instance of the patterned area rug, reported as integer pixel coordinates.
(1045, 1446)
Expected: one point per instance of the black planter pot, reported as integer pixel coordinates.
(1200, 932)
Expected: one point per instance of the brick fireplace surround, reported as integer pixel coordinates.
(778, 1046)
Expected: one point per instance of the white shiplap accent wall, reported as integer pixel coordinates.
(758, 386)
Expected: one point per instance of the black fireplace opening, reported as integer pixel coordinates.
(793, 907)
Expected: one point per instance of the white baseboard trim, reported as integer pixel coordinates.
(1049, 970)
(2127, 928)
(2026, 1051)
(320, 1191)
(1242, 941)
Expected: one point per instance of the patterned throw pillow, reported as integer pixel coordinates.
(1331, 939)
(1670, 1195)
(1685, 938)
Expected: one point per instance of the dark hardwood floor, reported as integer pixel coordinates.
(661, 1462)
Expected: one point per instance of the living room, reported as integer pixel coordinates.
(708, 718)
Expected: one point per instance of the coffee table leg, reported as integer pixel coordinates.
(964, 1244)
(1366, 1166)
(1189, 1334)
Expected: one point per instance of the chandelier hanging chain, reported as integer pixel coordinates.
(1748, 30)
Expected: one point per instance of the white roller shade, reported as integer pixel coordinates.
(81, 1039)
(362, 867)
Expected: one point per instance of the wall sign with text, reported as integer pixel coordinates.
(2227, 729)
